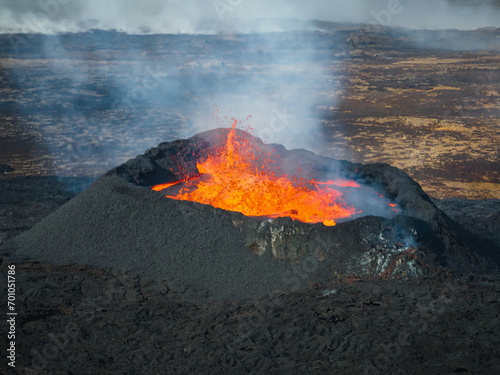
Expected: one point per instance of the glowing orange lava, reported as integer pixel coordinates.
(232, 180)
(165, 186)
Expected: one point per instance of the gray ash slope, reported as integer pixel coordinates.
(482, 216)
(119, 222)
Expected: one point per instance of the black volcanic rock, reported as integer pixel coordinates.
(481, 217)
(120, 222)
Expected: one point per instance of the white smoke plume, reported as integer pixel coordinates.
(213, 16)
(241, 64)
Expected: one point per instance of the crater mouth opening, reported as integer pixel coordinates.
(244, 175)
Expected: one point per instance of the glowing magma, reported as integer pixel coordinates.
(229, 179)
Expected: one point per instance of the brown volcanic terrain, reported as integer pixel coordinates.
(434, 115)
(386, 96)
(410, 99)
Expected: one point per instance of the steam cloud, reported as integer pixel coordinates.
(255, 79)
(213, 16)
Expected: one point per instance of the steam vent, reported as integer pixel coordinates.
(175, 213)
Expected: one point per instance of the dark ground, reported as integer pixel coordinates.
(87, 320)
(442, 130)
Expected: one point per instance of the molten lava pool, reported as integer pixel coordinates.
(239, 177)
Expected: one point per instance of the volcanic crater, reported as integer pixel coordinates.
(393, 230)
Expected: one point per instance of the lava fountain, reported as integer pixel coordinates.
(239, 176)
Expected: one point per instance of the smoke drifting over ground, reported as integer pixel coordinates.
(228, 59)
(208, 17)
(269, 82)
